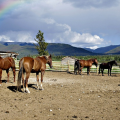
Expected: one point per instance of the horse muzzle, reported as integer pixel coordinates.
(51, 66)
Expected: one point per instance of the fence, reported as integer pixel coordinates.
(57, 66)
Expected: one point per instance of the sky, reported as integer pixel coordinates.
(80, 23)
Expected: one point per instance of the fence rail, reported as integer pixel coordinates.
(57, 66)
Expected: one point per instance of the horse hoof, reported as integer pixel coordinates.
(38, 88)
(28, 91)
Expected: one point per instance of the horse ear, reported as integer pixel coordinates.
(50, 56)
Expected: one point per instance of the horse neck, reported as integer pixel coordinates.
(92, 60)
(112, 62)
(43, 59)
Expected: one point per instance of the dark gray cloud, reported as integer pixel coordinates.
(93, 3)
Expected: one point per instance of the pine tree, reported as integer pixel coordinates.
(41, 44)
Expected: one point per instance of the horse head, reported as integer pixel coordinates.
(49, 60)
(95, 62)
(115, 62)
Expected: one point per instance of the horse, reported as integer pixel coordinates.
(108, 66)
(76, 66)
(85, 63)
(34, 65)
(5, 64)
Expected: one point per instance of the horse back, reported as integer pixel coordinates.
(85, 63)
(105, 65)
(27, 63)
(39, 64)
(6, 63)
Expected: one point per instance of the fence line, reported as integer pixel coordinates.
(57, 66)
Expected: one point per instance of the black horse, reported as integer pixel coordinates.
(107, 66)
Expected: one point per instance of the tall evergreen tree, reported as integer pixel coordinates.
(41, 44)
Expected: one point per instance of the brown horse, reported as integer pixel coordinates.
(5, 64)
(36, 65)
(85, 63)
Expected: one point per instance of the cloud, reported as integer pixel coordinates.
(94, 47)
(54, 33)
(93, 3)
(17, 36)
(5, 38)
(62, 21)
(64, 34)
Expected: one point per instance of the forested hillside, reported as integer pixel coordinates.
(56, 49)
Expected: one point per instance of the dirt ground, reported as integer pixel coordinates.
(65, 97)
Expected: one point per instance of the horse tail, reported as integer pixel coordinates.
(20, 74)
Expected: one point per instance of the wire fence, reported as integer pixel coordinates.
(58, 66)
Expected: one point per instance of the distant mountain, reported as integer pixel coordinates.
(65, 49)
(103, 50)
(25, 49)
(114, 51)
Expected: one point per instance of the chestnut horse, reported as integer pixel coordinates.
(107, 66)
(85, 63)
(35, 65)
(5, 64)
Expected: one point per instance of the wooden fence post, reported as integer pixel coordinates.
(97, 69)
(68, 66)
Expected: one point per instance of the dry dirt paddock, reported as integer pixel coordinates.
(65, 97)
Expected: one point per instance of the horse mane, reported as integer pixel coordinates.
(111, 61)
(1, 57)
(43, 57)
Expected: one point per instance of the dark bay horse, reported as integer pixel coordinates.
(5, 64)
(35, 65)
(108, 66)
(80, 64)
(76, 66)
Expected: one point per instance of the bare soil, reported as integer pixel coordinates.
(65, 97)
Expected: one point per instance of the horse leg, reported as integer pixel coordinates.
(110, 72)
(89, 70)
(14, 73)
(37, 77)
(42, 74)
(0, 77)
(99, 70)
(102, 71)
(81, 70)
(23, 82)
(7, 71)
(26, 82)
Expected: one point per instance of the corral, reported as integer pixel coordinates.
(65, 97)
(69, 66)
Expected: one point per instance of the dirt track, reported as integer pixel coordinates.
(65, 97)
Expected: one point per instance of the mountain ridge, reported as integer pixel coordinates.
(28, 49)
